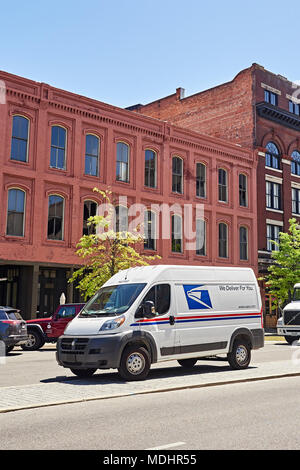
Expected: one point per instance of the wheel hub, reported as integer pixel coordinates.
(241, 354)
(135, 363)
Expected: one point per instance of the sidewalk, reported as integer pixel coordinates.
(103, 385)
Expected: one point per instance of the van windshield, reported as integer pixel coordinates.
(296, 295)
(112, 300)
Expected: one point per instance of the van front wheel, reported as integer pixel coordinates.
(135, 363)
(240, 356)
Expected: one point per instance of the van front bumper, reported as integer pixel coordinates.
(95, 352)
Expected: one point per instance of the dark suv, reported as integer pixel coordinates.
(13, 329)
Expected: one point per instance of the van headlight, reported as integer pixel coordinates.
(112, 324)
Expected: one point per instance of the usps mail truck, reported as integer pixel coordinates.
(149, 314)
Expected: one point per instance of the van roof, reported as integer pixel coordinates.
(182, 273)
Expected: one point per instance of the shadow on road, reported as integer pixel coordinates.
(159, 372)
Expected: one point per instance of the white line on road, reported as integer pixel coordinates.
(167, 446)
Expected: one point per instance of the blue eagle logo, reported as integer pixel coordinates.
(197, 298)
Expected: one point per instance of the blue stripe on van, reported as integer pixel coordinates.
(196, 319)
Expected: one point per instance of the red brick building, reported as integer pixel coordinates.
(258, 110)
(56, 146)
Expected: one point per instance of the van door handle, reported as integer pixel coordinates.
(172, 319)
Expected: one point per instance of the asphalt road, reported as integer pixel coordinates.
(257, 415)
(254, 411)
(32, 367)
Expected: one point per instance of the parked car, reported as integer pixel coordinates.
(13, 329)
(47, 330)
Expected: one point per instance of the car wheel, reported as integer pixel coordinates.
(240, 356)
(187, 363)
(83, 373)
(35, 341)
(291, 339)
(135, 363)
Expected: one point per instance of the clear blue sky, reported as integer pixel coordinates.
(125, 52)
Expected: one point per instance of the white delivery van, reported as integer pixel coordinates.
(155, 313)
(289, 324)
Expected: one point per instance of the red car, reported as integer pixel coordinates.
(47, 330)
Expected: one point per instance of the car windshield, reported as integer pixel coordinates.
(296, 295)
(112, 300)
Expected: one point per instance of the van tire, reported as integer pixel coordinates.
(135, 363)
(240, 355)
(187, 363)
(83, 373)
(291, 339)
(35, 341)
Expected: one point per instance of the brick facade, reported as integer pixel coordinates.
(38, 266)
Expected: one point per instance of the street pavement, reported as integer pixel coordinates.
(165, 376)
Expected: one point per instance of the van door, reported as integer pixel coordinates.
(161, 326)
(197, 320)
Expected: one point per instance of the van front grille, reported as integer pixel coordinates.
(74, 345)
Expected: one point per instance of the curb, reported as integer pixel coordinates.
(149, 391)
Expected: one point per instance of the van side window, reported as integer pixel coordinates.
(160, 295)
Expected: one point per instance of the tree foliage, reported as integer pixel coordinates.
(106, 251)
(285, 271)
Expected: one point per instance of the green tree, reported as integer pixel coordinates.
(285, 271)
(106, 251)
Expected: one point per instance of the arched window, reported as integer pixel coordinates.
(89, 210)
(55, 217)
(92, 146)
(150, 230)
(177, 175)
(200, 180)
(15, 212)
(243, 243)
(295, 164)
(122, 162)
(223, 240)
(150, 168)
(19, 139)
(176, 233)
(272, 155)
(58, 148)
(243, 190)
(223, 185)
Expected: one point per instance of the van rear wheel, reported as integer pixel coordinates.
(187, 363)
(135, 363)
(240, 355)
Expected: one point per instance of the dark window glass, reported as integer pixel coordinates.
(223, 240)
(243, 243)
(273, 195)
(294, 107)
(272, 155)
(121, 219)
(243, 190)
(122, 162)
(19, 140)
(66, 311)
(150, 168)
(58, 148)
(15, 212)
(177, 175)
(91, 155)
(55, 217)
(272, 236)
(89, 210)
(222, 185)
(176, 234)
(160, 295)
(271, 97)
(200, 237)
(200, 180)
(150, 231)
(296, 201)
